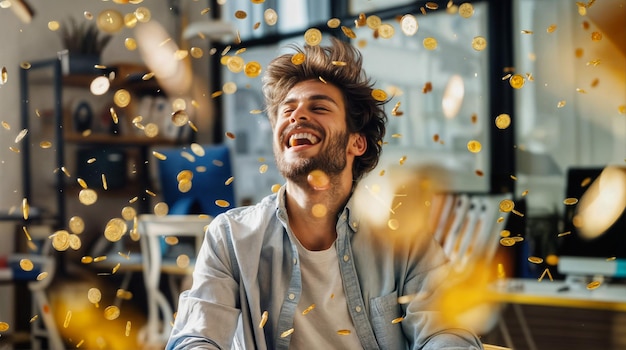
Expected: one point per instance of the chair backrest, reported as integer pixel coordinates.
(211, 168)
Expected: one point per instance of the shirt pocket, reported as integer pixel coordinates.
(385, 312)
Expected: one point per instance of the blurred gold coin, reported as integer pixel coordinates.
(184, 185)
(507, 241)
(115, 229)
(474, 146)
(275, 188)
(235, 64)
(535, 259)
(222, 203)
(432, 5)
(4, 326)
(313, 36)
(552, 259)
(143, 14)
(130, 20)
(151, 130)
(86, 260)
(4, 76)
(373, 21)
(505, 233)
(393, 224)
(379, 95)
(25, 65)
(111, 312)
(319, 210)
(42, 276)
(75, 242)
(596, 36)
(298, 58)
(561, 104)
(466, 10)
(159, 155)
(25, 208)
(68, 318)
(197, 149)
(230, 135)
(503, 121)
(94, 295)
(128, 213)
(45, 144)
(229, 88)
(593, 285)
(130, 44)
(121, 98)
(344, 332)
(196, 52)
(61, 240)
(180, 117)
(182, 261)
(386, 31)
(409, 24)
(570, 201)
(516, 81)
(333, 23)
(506, 205)
(430, 43)
(127, 329)
(161, 209)
(184, 174)
(551, 28)
(318, 180)
(239, 14)
(252, 69)
(26, 265)
(6, 125)
(87, 196)
(348, 32)
(270, 16)
(171, 240)
(479, 43)
(100, 85)
(110, 21)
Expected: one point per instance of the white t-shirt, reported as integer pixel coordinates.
(322, 320)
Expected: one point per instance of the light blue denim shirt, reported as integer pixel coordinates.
(248, 265)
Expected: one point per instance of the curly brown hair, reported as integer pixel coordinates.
(364, 114)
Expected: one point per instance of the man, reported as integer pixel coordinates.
(304, 269)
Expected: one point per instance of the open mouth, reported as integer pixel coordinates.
(302, 138)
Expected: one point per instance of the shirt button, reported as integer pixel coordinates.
(346, 258)
(291, 296)
(355, 224)
(358, 309)
(295, 261)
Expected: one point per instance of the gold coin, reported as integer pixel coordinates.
(184, 185)
(26, 264)
(222, 203)
(318, 180)
(344, 332)
(42, 276)
(313, 36)
(235, 64)
(552, 259)
(184, 175)
(432, 5)
(180, 117)
(561, 104)
(518, 238)
(61, 240)
(596, 36)
(151, 130)
(45, 144)
(264, 317)
(263, 168)
(503, 121)
(239, 14)
(507, 241)
(535, 259)
(68, 318)
(4, 326)
(25, 208)
(397, 320)
(430, 43)
(270, 16)
(252, 69)
(379, 95)
(196, 52)
(275, 188)
(373, 21)
(505, 233)
(110, 21)
(386, 31)
(75, 242)
(100, 85)
(4, 76)
(111, 312)
(143, 14)
(319, 210)
(409, 24)
(115, 229)
(348, 32)
(130, 44)
(94, 295)
(393, 224)
(25, 65)
(197, 149)
(6, 125)
(570, 201)
(171, 240)
(127, 330)
(161, 209)
(333, 23)
(128, 213)
(593, 285)
(506, 205)
(86, 260)
(466, 10)
(479, 43)
(298, 58)
(474, 146)
(516, 81)
(76, 224)
(551, 28)
(87, 196)
(130, 20)
(182, 261)
(229, 88)
(286, 333)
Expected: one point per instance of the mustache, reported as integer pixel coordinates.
(301, 125)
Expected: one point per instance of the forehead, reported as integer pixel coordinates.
(314, 90)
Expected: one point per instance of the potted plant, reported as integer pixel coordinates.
(83, 45)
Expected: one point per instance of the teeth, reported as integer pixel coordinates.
(293, 140)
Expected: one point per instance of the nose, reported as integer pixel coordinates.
(299, 114)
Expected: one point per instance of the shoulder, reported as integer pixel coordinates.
(242, 221)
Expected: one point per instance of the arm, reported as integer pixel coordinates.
(208, 312)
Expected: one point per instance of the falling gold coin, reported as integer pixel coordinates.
(121, 98)
(111, 312)
(275, 188)
(184, 186)
(99, 86)
(474, 146)
(386, 31)
(151, 130)
(75, 242)
(86, 260)
(344, 332)
(551, 28)
(61, 240)
(128, 213)
(161, 209)
(506, 205)
(286, 333)
(42, 276)
(503, 121)
(4, 76)
(479, 43)
(409, 24)
(130, 44)
(264, 317)
(466, 10)
(373, 21)
(318, 180)
(4, 326)
(143, 14)
(319, 210)
(393, 224)
(26, 264)
(263, 168)
(182, 261)
(516, 81)
(347, 31)
(507, 241)
(505, 233)
(333, 23)
(235, 64)
(94, 295)
(430, 43)
(87, 196)
(252, 69)
(535, 259)
(313, 36)
(397, 320)
(45, 144)
(570, 201)
(239, 14)
(180, 117)
(593, 285)
(222, 203)
(270, 16)
(229, 88)
(596, 36)
(115, 229)
(127, 330)
(379, 95)
(110, 21)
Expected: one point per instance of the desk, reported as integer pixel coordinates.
(152, 228)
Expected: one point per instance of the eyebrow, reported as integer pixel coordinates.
(318, 97)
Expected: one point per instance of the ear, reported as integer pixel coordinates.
(357, 144)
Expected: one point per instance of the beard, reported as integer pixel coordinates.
(331, 160)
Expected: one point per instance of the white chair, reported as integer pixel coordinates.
(153, 229)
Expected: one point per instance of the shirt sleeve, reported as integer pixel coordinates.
(208, 313)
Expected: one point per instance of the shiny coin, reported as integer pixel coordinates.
(6, 125)
(373, 21)
(75, 242)
(94, 295)
(182, 261)
(596, 36)
(393, 224)
(53, 26)
(386, 31)
(61, 240)
(197, 149)
(270, 16)
(264, 317)
(42, 276)
(551, 28)
(505, 233)
(4, 76)
(397, 320)
(507, 241)
(298, 58)
(86, 260)
(68, 318)
(229, 88)
(25, 208)
(318, 180)
(235, 64)
(466, 10)
(25, 65)
(115, 229)
(286, 333)
(127, 330)
(87, 196)
(430, 43)
(348, 32)
(184, 175)
(222, 203)
(586, 181)
(4, 327)
(130, 20)
(275, 188)
(432, 5)
(151, 130)
(26, 265)
(110, 21)
(263, 168)
(45, 144)
(313, 36)
(319, 210)
(570, 201)
(516, 81)
(239, 14)
(171, 240)
(479, 43)
(503, 121)
(535, 259)
(130, 44)
(159, 155)
(561, 104)
(333, 23)
(506, 205)
(252, 69)
(184, 186)
(593, 285)
(21, 135)
(111, 312)
(409, 25)
(76, 224)
(474, 146)
(99, 86)
(161, 209)
(121, 98)
(379, 95)
(344, 332)
(143, 14)
(180, 117)
(128, 213)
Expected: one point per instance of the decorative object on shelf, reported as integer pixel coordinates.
(82, 116)
(83, 44)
